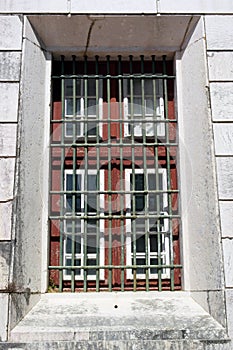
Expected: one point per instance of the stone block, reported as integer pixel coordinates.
(219, 32)
(117, 6)
(223, 136)
(220, 66)
(9, 66)
(9, 93)
(8, 140)
(5, 256)
(7, 167)
(197, 6)
(25, 6)
(5, 220)
(225, 177)
(229, 307)
(228, 261)
(226, 217)
(3, 316)
(11, 33)
(221, 95)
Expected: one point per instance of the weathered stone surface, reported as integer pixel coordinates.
(9, 66)
(221, 95)
(3, 317)
(138, 316)
(9, 93)
(5, 255)
(7, 166)
(223, 136)
(219, 33)
(225, 177)
(229, 304)
(228, 261)
(226, 216)
(118, 6)
(197, 6)
(11, 33)
(8, 140)
(5, 221)
(25, 6)
(220, 66)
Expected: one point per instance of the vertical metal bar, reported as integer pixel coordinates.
(133, 203)
(62, 177)
(121, 177)
(144, 128)
(157, 177)
(168, 174)
(85, 174)
(109, 178)
(98, 175)
(73, 181)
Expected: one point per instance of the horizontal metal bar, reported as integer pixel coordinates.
(86, 119)
(109, 76)
(113, 217)
(106, 144)
(115, 192)
(113, 267)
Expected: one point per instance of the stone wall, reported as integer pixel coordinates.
(219, 34)
(10, 67)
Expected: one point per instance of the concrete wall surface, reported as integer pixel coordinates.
(219, 30)
(204, 61)
(117, 6)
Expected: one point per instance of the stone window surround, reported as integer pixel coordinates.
(201, 250)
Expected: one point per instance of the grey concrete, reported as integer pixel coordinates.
(5, 222)
(229, 303)
(225, 177)
(226, 212)
(9, 102)
(223, 136)
(199, 205)
(11, 29)
(228, 261)
(8, 140)
(117, 316)
(222, 101)
(108, 34)
(220, 66)
(5, 254)
(219, 32)
(7, 167)
(9, 66)
(3, 316)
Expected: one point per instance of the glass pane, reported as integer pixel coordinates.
(91, 128)
(91, 262)
(77, 243)
(91, 244)
(140, 270)
(69, 87)
(91, 106)
(140, 225)
(91, 87)
(139, 198)
(153, 243)
(69, 223)
(69, 107)
(69, 197)
(148, 87)
(77, 262)
(140, 244)
(91, 197)
(153, 261)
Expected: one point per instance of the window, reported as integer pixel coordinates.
(83, 104)
(147, 241)
(114, 196)
(144, 100)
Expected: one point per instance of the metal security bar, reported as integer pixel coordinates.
(114, 216)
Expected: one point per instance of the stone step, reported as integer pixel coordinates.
(121, 321)
(120, 345)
